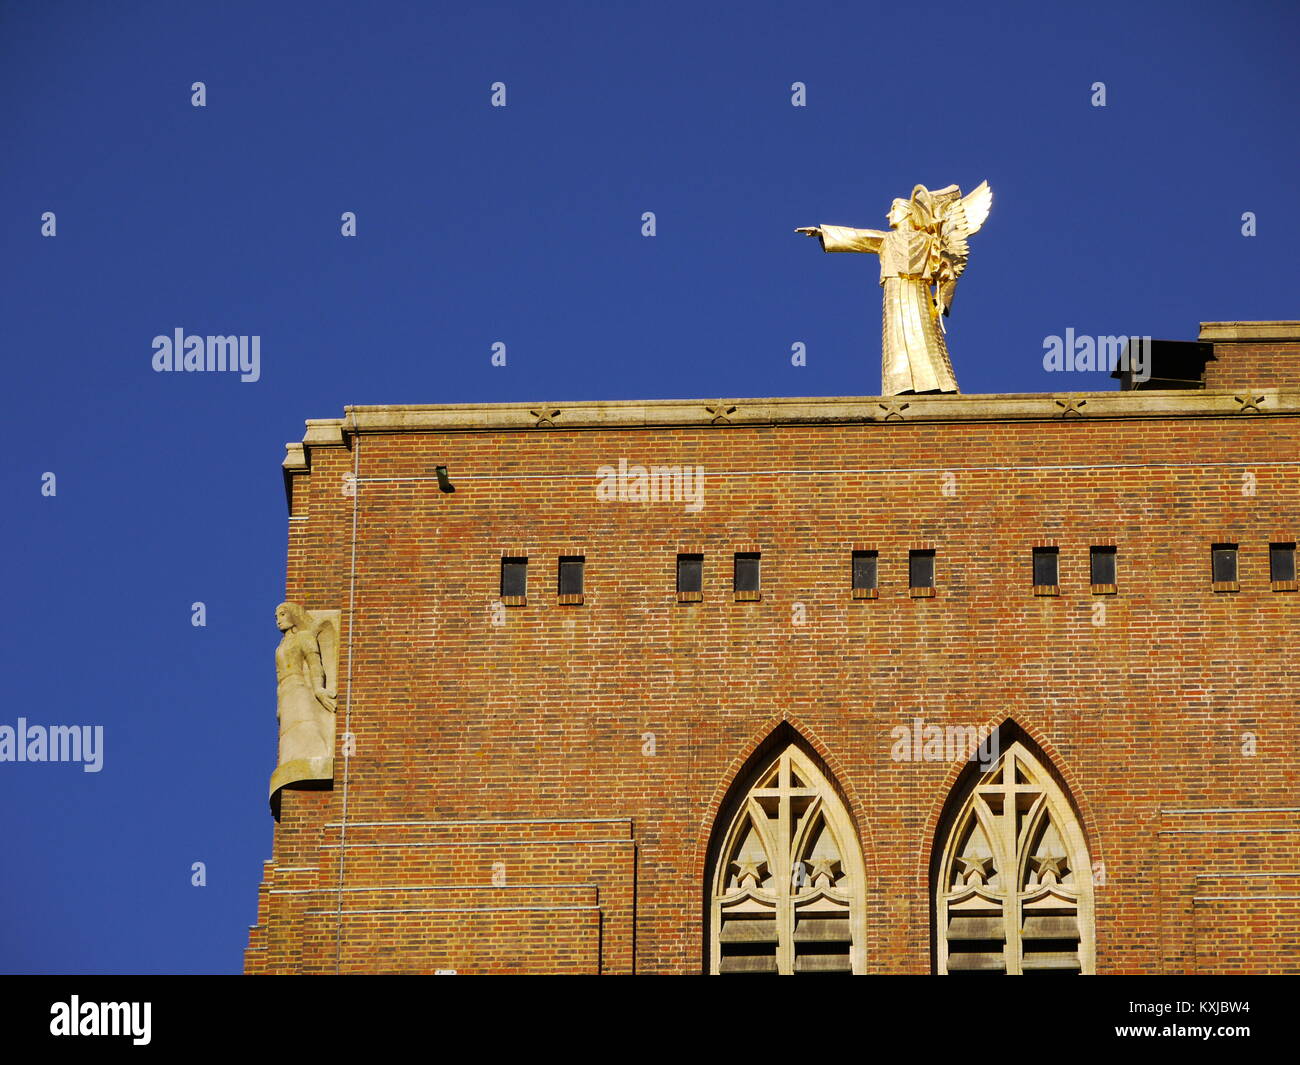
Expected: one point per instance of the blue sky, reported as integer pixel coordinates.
(519, 225)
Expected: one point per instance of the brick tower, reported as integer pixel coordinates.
(990, 683)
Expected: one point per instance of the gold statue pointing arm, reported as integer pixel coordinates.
(922, 255)
(845, 238)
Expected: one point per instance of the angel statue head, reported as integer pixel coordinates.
(920, 210)
(899, 212)
(291, 616)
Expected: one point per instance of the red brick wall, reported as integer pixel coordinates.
(460, 720)
(1270, 364)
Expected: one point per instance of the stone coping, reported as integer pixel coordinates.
(741, 413)
(1249, 332)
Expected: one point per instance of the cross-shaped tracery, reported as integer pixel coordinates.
(787, 881)
(1015, 888)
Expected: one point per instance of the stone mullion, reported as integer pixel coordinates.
(715, 926)
(1011, 879)
(785, 903)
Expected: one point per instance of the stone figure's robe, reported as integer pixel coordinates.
(306, 727)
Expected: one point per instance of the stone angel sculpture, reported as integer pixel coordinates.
(307, 689)
(922, 256)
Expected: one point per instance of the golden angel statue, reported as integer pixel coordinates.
(921, 257)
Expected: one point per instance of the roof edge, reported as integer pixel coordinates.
(751, 413)
(1249, 332)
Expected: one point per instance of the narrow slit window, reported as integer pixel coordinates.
(1102, 560)
(865, 570)
(920, 569)
(514, 577)
(1047, 567)
(747, 572)
(1223, 563)
(571, 567)
(690, 574)
(1281, 562)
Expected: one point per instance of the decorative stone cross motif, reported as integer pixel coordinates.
(1007, 790)
(893, 410)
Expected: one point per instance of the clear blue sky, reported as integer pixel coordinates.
(521, 225)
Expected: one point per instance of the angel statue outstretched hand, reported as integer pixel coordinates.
(921, 257)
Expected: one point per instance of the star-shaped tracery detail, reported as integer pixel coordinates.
(748, 868)
(975, 867)
(1048, 865)
(822, 872)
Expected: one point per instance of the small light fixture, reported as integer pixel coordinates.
(444, 482)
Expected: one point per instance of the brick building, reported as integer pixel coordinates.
(967, 683)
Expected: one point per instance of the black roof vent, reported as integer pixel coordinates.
(1162, 364)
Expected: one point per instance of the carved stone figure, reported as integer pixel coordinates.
(921, 257)
(305, 665)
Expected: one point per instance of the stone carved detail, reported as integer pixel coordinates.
(787, 882)
(306, 667)
(1015, 890)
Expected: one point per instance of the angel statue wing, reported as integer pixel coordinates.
(957, 218)
(327, 639)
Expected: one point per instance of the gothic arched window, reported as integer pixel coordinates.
(786, 885)
(1014, 887)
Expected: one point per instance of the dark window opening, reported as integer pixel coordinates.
(690, 573)
(514, 578)
(920, 569)
(747, 576)
(1223, 563)
(1103, 565)
(1047, 567)
(571, 574)
(1281, 562)
(865, 565)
